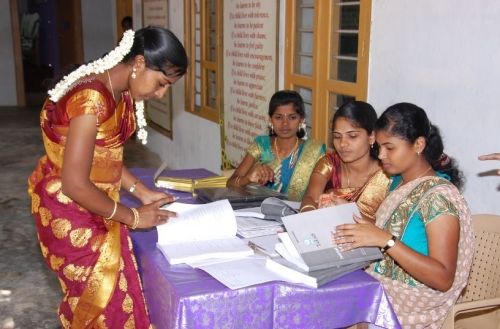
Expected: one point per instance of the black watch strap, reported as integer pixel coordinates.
(389, 244)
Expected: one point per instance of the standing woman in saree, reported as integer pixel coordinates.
(82, 227)
(352, 172)
(424, 225)
(282, 160)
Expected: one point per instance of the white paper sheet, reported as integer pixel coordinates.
(209, 221)
(243, 272)
(195, 251)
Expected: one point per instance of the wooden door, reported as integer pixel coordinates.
(123, 9)
(69, 30)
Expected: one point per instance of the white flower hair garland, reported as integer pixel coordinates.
(100, 65)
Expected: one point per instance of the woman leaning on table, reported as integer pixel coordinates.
(352, 173)
(282, 160)
(82, 227)
(424, 224)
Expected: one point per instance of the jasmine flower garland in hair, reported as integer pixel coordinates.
(100, 65)
(142, 134)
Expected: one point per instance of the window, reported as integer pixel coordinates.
(326, 57)
(203, 41)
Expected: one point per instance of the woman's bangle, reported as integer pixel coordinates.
(307, 206)
(132, 188)
(114, 210)
(136, 218)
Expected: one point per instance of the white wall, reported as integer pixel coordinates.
(196, 141)
(444, 56)
(99, 28)
(8, 96)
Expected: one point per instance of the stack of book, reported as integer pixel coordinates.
(189, 184)
(308, 252)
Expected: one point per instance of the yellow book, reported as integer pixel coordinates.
(188, 184)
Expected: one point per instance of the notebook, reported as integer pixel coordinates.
(239, 197)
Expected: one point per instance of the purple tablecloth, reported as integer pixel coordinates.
(181, 297)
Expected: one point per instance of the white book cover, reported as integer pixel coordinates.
(201, 232)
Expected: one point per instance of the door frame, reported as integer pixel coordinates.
(18, 56)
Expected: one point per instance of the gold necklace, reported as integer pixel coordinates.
(422, 174)
(278, 150)
(111, 86)
(425, 172)
(370, 171)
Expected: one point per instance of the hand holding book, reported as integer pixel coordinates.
(364, 233)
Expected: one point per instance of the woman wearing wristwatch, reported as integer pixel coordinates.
(424, 224)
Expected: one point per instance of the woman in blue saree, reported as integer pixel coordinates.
(282, 160)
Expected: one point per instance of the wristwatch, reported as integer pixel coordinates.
(389, 244)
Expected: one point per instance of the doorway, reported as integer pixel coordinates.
(51, 41)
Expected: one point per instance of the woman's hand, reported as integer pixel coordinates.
(492, 156)
(150, 215)
(148, 196)
(362, 234)
(260, 174)
(329, 200)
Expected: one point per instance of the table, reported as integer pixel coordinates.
(181, 297)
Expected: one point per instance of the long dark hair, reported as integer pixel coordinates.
(161, 49)
(410, 122)
(361, 115)
(285, 97)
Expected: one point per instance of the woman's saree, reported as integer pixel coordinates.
(91, 256)
(293, 172)
(367, 197)
(426, 198)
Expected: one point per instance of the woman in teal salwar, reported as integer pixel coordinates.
(283, 160)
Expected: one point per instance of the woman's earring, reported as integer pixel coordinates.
(371, 145)
(303, 127)
(133, 75)
(271, 128)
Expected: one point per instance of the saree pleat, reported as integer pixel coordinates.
(92, 257)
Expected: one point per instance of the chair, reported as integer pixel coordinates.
(479, 305)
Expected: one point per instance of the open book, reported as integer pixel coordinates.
(311, 233)
(201, 232)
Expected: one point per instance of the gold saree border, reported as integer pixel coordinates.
(102, 281)
(303, 170)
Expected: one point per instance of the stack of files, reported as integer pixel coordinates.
(201, 233)
(308, 251)
(251, 223)
(188, 184)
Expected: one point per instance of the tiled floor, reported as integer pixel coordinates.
(29, 292)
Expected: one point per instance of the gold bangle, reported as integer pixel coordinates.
(114, 210)
(307, 206)
(136, 218)
(132, 188)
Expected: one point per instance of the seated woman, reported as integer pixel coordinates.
(424, 224)
(283, 160)
(352, 172)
